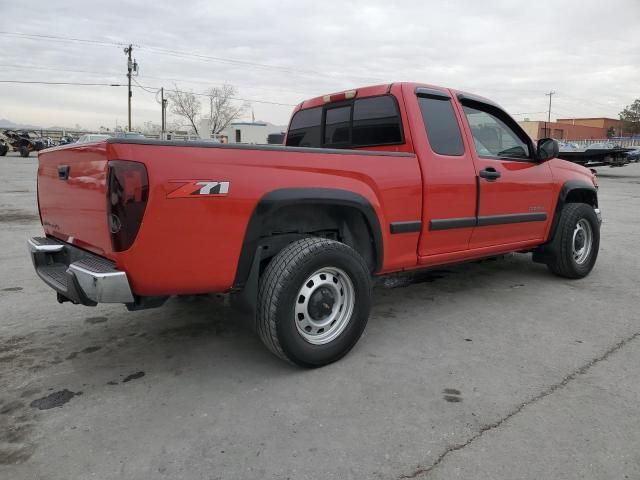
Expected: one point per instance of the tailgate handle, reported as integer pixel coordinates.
(63, 172)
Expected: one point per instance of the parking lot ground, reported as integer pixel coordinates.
(494, 369)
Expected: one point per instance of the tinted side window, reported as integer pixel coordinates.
(442, 127)
(336, 126)
(493, 138)
(376, 122)
(305, 128)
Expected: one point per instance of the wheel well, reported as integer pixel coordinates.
(345, 224)
(570, 193)
(582, 195)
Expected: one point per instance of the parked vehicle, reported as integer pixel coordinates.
(371, 181)
(597, 155)
(92, 137)
(129, 135)
(600, 146)
(66, 140)
(634, 155)
(4, 145)
(24, 141)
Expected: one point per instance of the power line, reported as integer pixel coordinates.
(53, 69)
(65, 39)
(37, 82)
(146, 89)
(527, 113)
(151, 77)
(183, 54)
(149, 88)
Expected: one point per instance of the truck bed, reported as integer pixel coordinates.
(197, 239)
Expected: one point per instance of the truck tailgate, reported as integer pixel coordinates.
(72, 196)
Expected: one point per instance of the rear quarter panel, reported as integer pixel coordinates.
(192, 245)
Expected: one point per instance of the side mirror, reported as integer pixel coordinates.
(547, 149)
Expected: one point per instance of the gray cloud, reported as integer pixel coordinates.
(512, 52)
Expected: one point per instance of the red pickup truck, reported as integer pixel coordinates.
(371, 181)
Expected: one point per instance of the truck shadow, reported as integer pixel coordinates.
(203, 335)
(198, 341)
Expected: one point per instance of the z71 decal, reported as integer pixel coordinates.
(198, 188)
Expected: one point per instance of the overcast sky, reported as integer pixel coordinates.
(286, 51)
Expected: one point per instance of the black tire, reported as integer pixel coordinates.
(562, 261)
(278, 295)
(3, 150)
(24, 152)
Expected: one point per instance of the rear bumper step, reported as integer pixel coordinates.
(78, 275)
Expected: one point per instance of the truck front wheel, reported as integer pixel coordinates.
(576, 243)
(313, 302)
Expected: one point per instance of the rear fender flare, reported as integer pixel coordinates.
(269, 205)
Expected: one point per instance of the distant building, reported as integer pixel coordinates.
(562, 131)
(251, 132)
(598, 122)
(572, 128)
(241, 132)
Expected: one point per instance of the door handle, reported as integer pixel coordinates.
(490, 174)
(63, 172)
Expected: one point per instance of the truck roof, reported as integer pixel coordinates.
(381, 89)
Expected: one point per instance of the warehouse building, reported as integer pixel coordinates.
(573, 128)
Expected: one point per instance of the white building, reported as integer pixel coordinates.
(251, 132)
(242, 132)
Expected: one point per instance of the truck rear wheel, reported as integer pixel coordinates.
(313, 302)
(577, 241)
(24, 152)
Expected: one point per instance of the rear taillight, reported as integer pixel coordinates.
(127, 197)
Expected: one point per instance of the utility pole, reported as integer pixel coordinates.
(163, 106)
(132, 69)
(548, 130)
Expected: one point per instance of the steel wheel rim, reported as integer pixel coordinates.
(324, 305)
(582, 241)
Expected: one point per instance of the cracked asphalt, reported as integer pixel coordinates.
(493, 370)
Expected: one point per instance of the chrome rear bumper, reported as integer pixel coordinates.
(77, 275)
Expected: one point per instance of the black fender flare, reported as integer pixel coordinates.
(271, 202)
(569, 187)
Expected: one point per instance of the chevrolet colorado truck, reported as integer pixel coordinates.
(381, 179)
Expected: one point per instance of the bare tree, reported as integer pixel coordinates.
(222, 107)
(185, 104)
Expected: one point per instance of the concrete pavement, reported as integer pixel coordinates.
(488, 370)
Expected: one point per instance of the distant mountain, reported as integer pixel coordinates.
(4, 123)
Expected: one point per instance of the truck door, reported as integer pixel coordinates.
(448, 172)
(515, 190)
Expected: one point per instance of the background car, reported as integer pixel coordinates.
(92, 137)
(634, 155)
(601, 146)
(129, 135)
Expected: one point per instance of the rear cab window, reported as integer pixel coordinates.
(363, 122)
(304, 130)
(440, 122)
